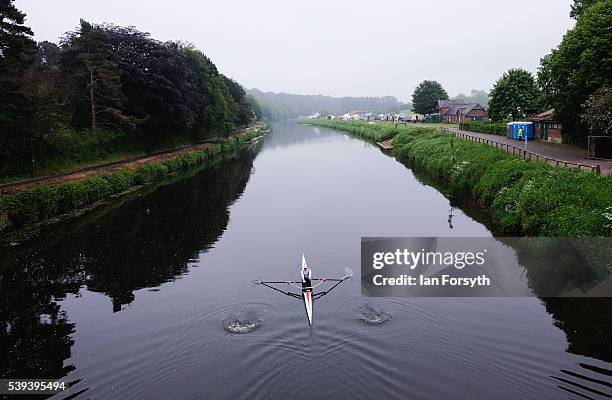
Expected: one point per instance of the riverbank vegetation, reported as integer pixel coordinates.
(105, 91)
(44, 202)
(524, 197)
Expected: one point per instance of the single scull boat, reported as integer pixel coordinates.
(307, 295)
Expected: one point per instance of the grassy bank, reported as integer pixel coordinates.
(528, 198)
(47, 201)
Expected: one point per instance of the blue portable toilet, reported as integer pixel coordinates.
(513, 128)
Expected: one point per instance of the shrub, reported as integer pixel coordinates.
(119, 181)
(149, 172)
(71, 195)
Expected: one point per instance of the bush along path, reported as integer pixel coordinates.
(526, 198)
(45, 201)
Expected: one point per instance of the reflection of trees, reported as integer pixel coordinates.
(587, 324)
(561, 266)
(143, 243)
(555, 266)
(152, 239)
(34, 332)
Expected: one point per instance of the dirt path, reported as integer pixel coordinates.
(130, 164)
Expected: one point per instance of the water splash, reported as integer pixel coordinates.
(372, 315)
(348, 272)
(242, 322)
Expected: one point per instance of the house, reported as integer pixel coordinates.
(456, 111)
(445, 105)
(546, 128)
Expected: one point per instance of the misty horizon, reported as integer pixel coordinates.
(344, 49)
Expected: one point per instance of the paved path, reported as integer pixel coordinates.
(563, 152)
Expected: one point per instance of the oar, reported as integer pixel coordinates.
(338, 281)
(257, 282)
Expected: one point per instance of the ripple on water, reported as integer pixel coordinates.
(370, 314)
(244, 321)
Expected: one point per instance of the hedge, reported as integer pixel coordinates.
(495, 128)
(43, 202)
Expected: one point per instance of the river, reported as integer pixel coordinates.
(131, 302)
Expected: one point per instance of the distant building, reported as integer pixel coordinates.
(456, 111)
(408, 115)
(546, 128)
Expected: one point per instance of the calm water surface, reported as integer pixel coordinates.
(130, 303)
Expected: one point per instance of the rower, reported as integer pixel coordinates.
(306, 275)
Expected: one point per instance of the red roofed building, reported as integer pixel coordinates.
(546, 128)
(454, 112)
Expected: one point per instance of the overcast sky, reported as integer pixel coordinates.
(337, 47)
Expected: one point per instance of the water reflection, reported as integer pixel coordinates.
(314, 191)
(149, 240)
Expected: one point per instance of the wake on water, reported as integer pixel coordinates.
(372, 315)
(242, 322)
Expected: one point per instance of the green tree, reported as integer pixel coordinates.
(580, 6)
(581, 65)
(44, 88)
(514, 96)
(87, 59)
(17, 50)
(243, 112)
(426, 95)
(213, 112)
(47, 56)
(257, 110)
(597, 112)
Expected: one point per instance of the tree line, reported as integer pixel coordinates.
(104, 85)
(278, 106)
(575, 79)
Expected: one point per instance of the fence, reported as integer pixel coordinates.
(525, 154)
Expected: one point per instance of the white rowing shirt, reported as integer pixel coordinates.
(306, 273)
